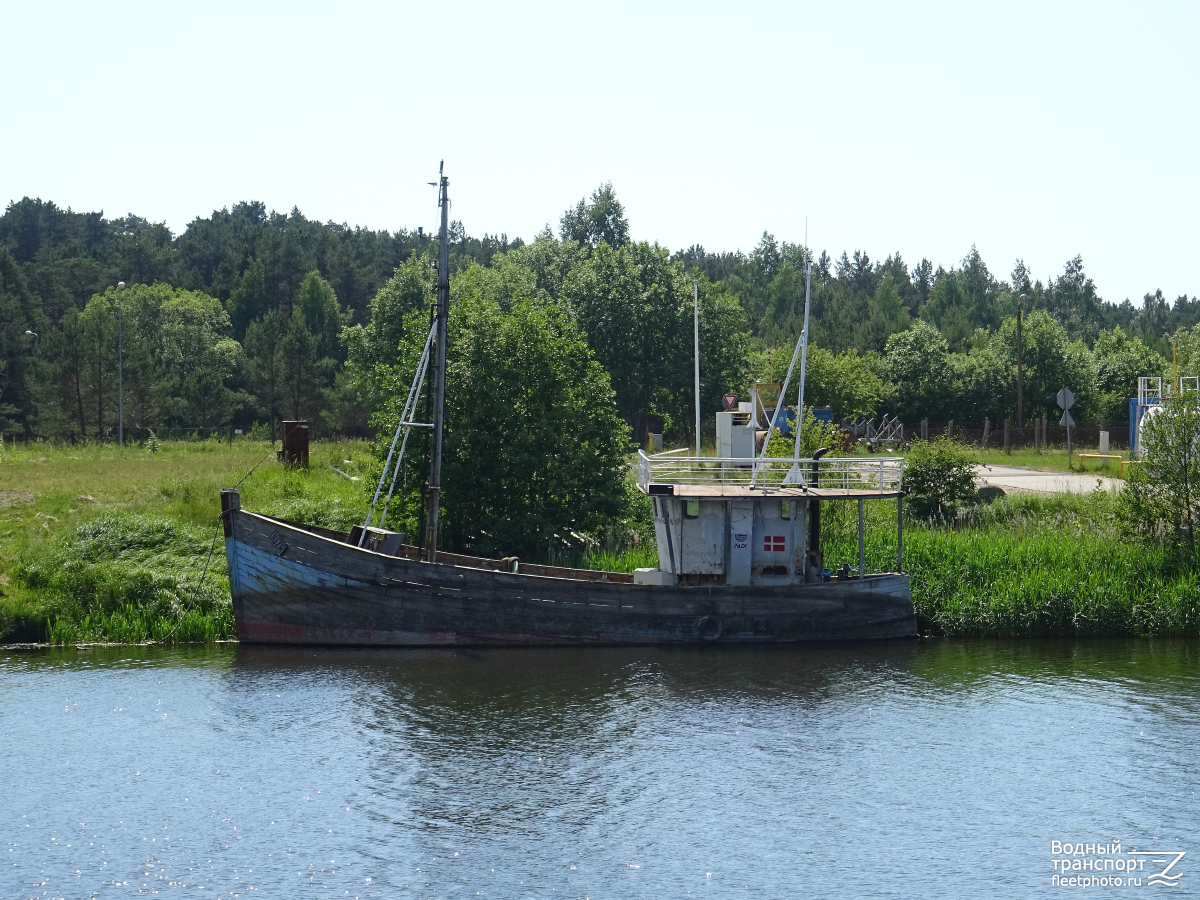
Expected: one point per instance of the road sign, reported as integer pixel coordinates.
(730, 400)
(1066, 399)
(1066, 418)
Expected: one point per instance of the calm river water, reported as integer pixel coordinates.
(932, 769)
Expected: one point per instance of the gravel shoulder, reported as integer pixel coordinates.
(1013, 479)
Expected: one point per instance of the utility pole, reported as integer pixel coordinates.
(439, 370)
(696, 296)
(120, 367)
(1020, 372)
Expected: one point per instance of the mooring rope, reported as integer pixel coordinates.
(211, 550)
(195, 590)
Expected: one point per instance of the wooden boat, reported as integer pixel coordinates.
(738, 543)
(296, 584)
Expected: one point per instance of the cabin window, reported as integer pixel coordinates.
(785, 509)
(692, 509)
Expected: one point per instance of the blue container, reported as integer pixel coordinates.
(785, 416)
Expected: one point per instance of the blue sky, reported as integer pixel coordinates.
(1039, 130)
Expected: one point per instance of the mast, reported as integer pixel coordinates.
(801, 353)
(803, 363)
(696, 292)
(439, 372)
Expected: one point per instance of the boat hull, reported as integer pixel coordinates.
(294, 586)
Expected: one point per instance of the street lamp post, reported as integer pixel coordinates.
(696, 295)
(1020, 373)
(120, 368)
(38, 345)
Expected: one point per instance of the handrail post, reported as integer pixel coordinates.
(862, 570)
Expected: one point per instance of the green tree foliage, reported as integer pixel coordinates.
(938, 478)
(601, 220)
(534, 447)
(1160, 502)
(18, 350)
(178, 360)
(917, 363)
(322, 314)
(248, 301)
(305, 371)
(631, 300)
(636, 307)
(1048, 364)
(814, 434)
(264, 366)
(382, 354)
(1186, 357)
(847, 382)
(962, 301)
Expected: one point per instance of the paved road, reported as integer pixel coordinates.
(1011, 478)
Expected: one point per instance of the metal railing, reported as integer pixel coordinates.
(877, 473)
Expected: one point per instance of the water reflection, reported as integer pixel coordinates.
(934, 767)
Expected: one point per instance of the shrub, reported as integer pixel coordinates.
(1160, 503)
(939, 476)
(814, 434)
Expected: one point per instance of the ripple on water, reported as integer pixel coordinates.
(864, 770)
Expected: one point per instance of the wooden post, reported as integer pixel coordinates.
(1006, 443)
(925, 429)
(862, 570)
(987, 427)
(900, 533)
(230, 501)
(950, 430)
(295, 443)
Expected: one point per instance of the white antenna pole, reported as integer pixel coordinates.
(803, 360)
(696, 294)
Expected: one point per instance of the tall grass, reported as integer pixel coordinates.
(127, 578)
(622, 560)
(113, 542)
(1027, 565)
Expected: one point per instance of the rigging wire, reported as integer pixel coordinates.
(211, 550)
(410, 406)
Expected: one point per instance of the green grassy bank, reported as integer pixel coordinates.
(1028, 565)
(103, 544)
(98, 544)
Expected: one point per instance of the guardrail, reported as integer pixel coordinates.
(880, 473)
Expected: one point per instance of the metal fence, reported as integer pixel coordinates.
(878, 473)
(1082, 437)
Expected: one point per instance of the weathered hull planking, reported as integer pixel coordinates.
(292, 585)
